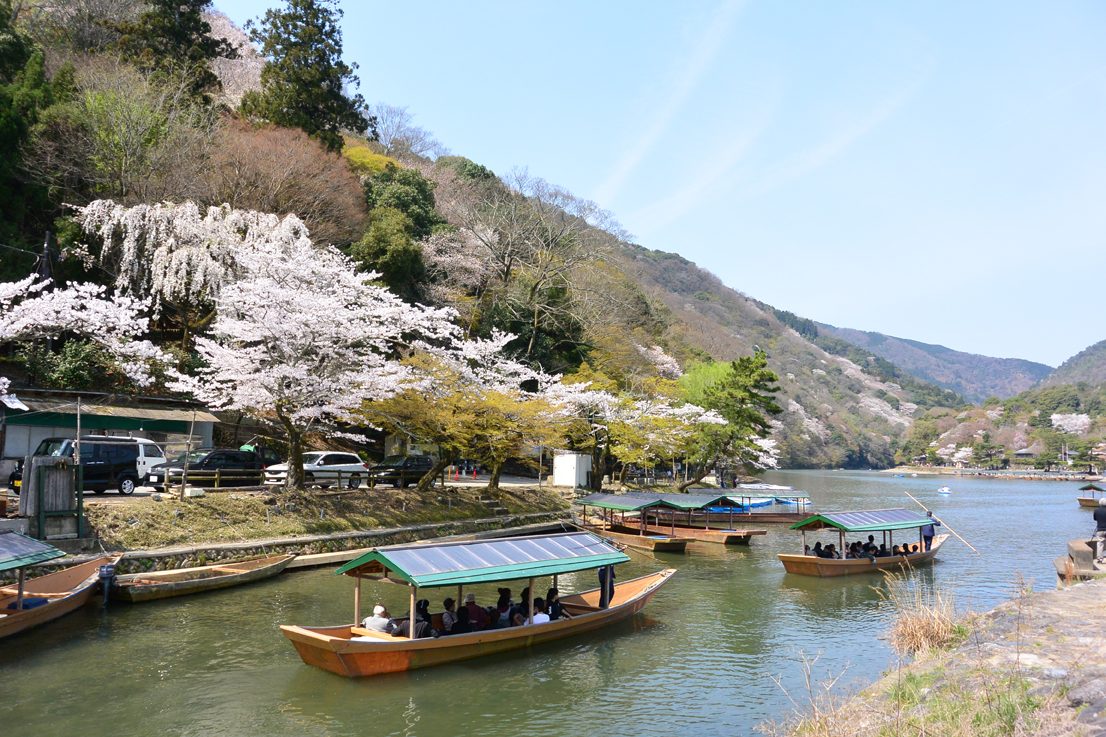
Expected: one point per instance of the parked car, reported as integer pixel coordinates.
(324, 468)
(399, 471)
(106, 462)
(240, 467)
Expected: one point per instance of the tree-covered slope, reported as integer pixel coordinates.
(1086, 367)
(973, 376)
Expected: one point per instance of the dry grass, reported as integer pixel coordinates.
(925, 616)
(143, 523)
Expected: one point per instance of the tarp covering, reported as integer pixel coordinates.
(17, 551)
(639, 501)
(872, 520)
(485, 561)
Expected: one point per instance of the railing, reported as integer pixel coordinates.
(219, 478)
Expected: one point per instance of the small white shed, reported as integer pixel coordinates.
(572, 469)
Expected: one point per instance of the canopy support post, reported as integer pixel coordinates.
(19, 595)
(530, 601)
(804, 541)
(841, 537)
(357, 603)
(411, 621)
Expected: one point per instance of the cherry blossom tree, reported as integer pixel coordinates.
(29, 310)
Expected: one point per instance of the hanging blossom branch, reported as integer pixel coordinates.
(28, 311)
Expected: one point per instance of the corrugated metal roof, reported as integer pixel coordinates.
(872, 520)
(483, 561)
(17, 551)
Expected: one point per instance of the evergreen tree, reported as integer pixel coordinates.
(172, 36)
(303, 83)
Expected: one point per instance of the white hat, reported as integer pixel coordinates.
(378, 610)
(470, 598)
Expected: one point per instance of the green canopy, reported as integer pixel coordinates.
(873, 520)
(637, 502)
(486, 561)
(18, 551)
(1091, 487)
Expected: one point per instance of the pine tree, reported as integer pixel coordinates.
(173, 37)
(303, 85)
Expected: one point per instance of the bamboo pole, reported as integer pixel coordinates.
(357, 603)
(943, 524)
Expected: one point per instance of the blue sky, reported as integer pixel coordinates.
(935, 171)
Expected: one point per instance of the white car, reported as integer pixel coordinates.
(324, 468)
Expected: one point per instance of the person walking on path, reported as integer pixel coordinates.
(1100, 529)
(927, 530)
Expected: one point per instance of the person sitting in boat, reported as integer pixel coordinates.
(449, 615)
(816, 551)
(402, 628)
(927, 530)
(828, 551)
(521, 611)
(870, 546)
(501, 615)
(422, 610)
(378, 621)
(462, 626)
(540, 616)
(883, 552)
(477, 615)
(897, 550)
(553, 604)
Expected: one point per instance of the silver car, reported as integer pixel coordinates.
(324, 468)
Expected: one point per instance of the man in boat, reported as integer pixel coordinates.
(1100, 528)
(378, 622)
(478, 616)
(927, 530)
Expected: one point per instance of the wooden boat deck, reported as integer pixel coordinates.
(811, 565)
(65, 591)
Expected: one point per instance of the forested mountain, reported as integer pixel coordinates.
(1086, 367)
(101, 108)
(972, 376)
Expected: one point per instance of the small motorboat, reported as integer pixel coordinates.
(944, 490)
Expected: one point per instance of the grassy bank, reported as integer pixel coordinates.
(242, 516)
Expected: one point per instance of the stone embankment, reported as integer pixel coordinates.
(1034, 667)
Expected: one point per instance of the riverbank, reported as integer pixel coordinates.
(1028, 475)
(245, 516)
(1031, 667)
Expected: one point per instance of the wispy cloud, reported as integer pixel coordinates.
(706, 48)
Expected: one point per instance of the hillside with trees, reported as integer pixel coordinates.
(972, 376)
(169, 158)
(1086, 367)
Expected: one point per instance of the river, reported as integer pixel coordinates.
(703, 659)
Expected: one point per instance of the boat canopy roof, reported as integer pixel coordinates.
(872, 520)
(485, 561)
(636, 502)
(17, 551)
(1091, 487)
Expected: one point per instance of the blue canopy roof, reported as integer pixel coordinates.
(17, 551)
(872, 520)
(485, 561)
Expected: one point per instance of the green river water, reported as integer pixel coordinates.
(702, 659)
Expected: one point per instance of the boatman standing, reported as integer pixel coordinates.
(927, 530)
(1100, 528)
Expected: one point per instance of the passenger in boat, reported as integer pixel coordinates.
(553, 604)
(378, 621)
(540, 616)
(521, 611)
(449, 616)
(927, 530)
(477, 615)
(817, 550)
(883, 551)
(422, 611)
(828, 552)
(501, 615)
(897, 550)
(462, 626)
(422, 628)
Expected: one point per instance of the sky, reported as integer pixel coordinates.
(933, 171)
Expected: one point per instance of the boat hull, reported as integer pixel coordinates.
(632, 537)
(140, 587)
(331, 648)
(1088, 501)
(67, 590)
(704, 535)
(809, 565)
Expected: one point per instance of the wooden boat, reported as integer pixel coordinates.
(1095, 497)
(664, 515)
(139, 587)
(45, 598)
(884, 521)
(350, 650)
(636, 538)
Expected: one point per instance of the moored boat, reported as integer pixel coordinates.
(634, 537)
(1094, 496)
(671, 515)
(884, 521)
(139, 587)
(351, 650)
(31, 602)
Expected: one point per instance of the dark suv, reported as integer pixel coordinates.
(218, 466)
(399, 471)
(107, 462)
